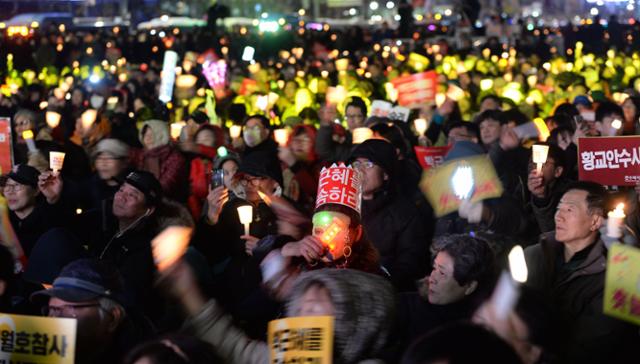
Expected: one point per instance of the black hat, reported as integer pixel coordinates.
(380, 152)
(199, 117)
(25, 175)
(85, 280)
(262, 163)
(52, 252)
(146, 183)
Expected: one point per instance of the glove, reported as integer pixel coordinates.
(471, 211)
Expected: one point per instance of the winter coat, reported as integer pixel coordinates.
(402, 236)
(330, 150)
(167, 164)
(362, 325)
(200, 179)
(577, 298)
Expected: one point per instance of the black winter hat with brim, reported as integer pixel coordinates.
(146, 183)
(262, 164)
(25, 175)
(380, 152)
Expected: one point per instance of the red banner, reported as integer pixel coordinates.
(610, 161)
(430, 157)
(6, 152)
(416, 89)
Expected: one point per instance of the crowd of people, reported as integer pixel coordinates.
(404, 285)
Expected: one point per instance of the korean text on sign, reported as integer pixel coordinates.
(621, 291)
(31, 339)
(430, 157)
(338, 185)
(301, 340)
(612, 161)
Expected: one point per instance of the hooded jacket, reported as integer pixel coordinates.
(364, 306)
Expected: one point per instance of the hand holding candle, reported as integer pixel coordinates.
(234, 131)
(176, 129)
(615, 221)
(27, 135)
(245, 213)
(56, 160)
(281, 136)
(540, 153)
(170, 245)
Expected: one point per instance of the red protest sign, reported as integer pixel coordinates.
(248, 86)
(416, 89)
(6, 152)
(430, 157)
(610, 161)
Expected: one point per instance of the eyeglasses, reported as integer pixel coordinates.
(255, 127)
(13, 187)
(253, 180)
(65, 310)
(362, 165)
(359, 116)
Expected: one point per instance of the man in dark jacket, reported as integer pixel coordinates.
(392, 222)
(568, 266)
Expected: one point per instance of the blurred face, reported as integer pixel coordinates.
(301, 146)
(629, 110)
(573, 220)
(20, 198)
(108, 166)
(22, 123)
(129, 203)
(76, 98)
(206, 138)
(328, 113)
(148, 140)
(550, 170)
(230, 168)
(459, 134)
(316, 301)
(443, 287)
(608, 125)
(254, 132)
(354, 116)
(489, 104)
(253, 184)
(373, 177)
(489, 131)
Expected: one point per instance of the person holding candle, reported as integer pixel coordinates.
(161, 158)
(568, 267)
(333, 143)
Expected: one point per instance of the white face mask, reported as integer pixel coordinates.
(252, 137)
(96, 101)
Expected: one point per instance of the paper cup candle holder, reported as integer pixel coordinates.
(56, 160)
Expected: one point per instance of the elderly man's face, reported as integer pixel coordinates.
(19, 197)
(443, 287)
(490, 131)
(573, 220)
(373, 176)
(129, 203)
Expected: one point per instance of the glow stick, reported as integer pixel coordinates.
(27, 135)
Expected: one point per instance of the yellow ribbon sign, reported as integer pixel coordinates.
(31, 339)
(622, 283)
(301, 340)
(472, 178)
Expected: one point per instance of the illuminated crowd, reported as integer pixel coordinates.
(174, 190)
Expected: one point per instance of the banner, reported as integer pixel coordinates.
(472, 178)
(610, 161)
(430, 157)
(31, 339)
(301, 340)
(621, 290)
(6, 149)
(417, 89)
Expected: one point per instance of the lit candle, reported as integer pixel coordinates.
(420, 125)
(440, 99)
(342, 64)
(281, 136)
(234, 131)
(507, 291)
(245, 213)
(540, 153)
(170, 245)
(88, 118)
(56, 159)
(27, 135)
(616, 124)
(53, 119)
(615, 221)
(176, 129)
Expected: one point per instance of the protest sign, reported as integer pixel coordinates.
(168, 76)
(381, 108)
(611, 161)
(430, 157)
(417, 89)
(622, 289)
(474, 175)
(6, 150)
(301, 340)
(31, 339)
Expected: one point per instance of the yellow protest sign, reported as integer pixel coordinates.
(301, 340)
(471, 178)
(31, 339)
(622, 283)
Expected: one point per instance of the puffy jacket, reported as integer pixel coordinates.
(167, 164)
